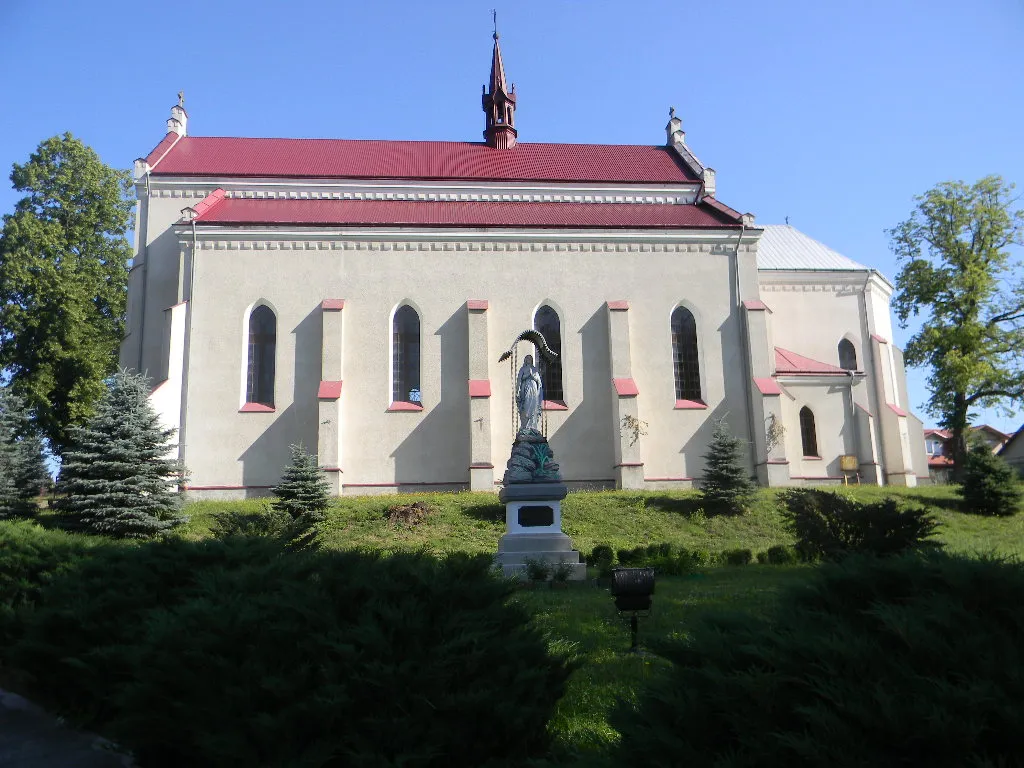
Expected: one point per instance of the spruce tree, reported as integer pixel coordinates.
(989, 484)
(302, 492)
(116, 478)
(726, 487)
(22, 466)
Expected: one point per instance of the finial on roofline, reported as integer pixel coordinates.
(178, 121)
(671, 112)
(494, 18)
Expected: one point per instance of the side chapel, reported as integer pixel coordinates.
(354, 297)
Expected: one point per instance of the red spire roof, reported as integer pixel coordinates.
(497, 70)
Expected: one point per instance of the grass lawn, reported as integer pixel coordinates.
(584, 616)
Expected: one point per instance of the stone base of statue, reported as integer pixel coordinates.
(532, 496)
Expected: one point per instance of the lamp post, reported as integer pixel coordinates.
(632, 589)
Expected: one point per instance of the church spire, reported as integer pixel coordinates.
(499, 104)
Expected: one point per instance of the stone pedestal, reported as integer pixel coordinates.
(533, 519)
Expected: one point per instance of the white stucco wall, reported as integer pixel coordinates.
(436, 272)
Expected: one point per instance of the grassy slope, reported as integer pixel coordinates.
(473, 522)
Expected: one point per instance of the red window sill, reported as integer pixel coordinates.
(256, 408)
(554, 405)
(812, 458)
(691, 405)
(401, 405)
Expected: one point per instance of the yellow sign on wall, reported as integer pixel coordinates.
(848, 463)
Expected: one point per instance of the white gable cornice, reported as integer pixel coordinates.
(342, 189)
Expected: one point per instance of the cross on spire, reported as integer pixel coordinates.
(499, 103)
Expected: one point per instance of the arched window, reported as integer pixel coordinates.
(262, 349)
(405, 357)
(847, 355)
(546, 321)
(808, 434)
(685, 362)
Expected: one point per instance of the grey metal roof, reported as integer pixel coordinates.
(784, 247)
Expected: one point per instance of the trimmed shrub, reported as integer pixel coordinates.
(726, 488)
(30, 557)
(989, 484)
(664, 558)
(601, 553)
(912, 660)
(831, 525)
(781, 555)
(239, 653)
(702, 558)
(270, 522)
(738, 556)
(115, 477)
(603, 558)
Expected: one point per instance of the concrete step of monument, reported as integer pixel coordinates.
(534, 542)
(520, 558)
(577, 571)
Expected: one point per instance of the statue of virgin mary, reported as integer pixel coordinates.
(528, 386)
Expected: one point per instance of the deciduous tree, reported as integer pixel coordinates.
(958, 274)
(63, 280)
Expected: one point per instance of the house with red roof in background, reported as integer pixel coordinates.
(939, 448)
(355, 297)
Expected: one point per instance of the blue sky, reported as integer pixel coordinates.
(832, 113)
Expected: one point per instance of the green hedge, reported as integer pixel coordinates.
(913, 660)
(30, 557)
(239, 653)
(834, 525)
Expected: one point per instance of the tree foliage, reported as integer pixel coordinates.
(958, 274)
(22, 466)
(302, 492)
(63, 281)
(116, 478)
(726, 487)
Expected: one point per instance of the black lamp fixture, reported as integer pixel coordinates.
(632, 589)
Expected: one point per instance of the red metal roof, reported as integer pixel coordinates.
(378, 213)
(790, 363)
(344, 158)
(158, 151)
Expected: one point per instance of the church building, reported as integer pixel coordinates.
(355, 296)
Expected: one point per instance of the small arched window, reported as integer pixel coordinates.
(262, 352)
(685, 362)
(847, 355)
(546, 321)
(405, 356)
(808, 434)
